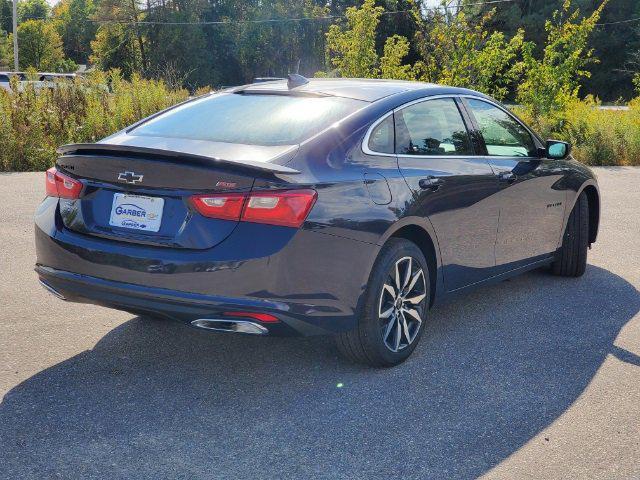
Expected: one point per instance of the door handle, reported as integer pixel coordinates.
(430, 183)
(508, 177)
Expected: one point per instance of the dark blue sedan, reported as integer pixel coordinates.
(303, 207)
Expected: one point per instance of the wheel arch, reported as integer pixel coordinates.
(593, 197)
(424, 237)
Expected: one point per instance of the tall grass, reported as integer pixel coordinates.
(599, 137)
(34, 123)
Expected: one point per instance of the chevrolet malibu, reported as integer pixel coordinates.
(305, 207)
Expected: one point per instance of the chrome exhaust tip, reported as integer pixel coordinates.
(233, 326)
(52, 290)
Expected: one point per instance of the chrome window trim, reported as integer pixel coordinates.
(365, 142)
(534, 137)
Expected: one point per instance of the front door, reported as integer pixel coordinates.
(530, 199)
(450, 185)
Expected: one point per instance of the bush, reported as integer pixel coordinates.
(34, 123)
(599, 137)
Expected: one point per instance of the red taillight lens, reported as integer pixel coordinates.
(288, 208)
(225, 206)
(261, 317)
(52, 190)
(60, 185)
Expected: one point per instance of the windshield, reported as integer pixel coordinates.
(250, 119)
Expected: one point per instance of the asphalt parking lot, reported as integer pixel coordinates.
(537, 377)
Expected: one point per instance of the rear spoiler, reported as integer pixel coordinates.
(97, 148)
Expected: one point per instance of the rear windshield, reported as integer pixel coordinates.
(250, 119)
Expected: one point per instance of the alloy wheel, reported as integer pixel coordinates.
(400, 307)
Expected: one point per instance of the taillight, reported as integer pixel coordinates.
(287, 208)
(60, 185)
(224, 206)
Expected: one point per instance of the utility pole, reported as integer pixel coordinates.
(15, 36)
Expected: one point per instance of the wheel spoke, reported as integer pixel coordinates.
(413, 313)
(387, 330)
(397, 279)
(405, 327)
(387, 313)
(389, 288)
(398, 335)
(408, 274)
(416, 300)
(414, 280)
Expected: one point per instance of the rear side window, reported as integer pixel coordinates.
(381, 139)
(251, 119)
(503, 135)
(4, 78)
(432, 127)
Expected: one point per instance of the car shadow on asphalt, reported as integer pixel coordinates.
(156, 399)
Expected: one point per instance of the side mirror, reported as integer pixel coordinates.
(557, 149)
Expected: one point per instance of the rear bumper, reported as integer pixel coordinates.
(311, 281)
(176, 305)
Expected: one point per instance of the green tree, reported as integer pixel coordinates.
(114, 47)
(75, 28)
(177, 54)
(6, 15)
(396, 48)
(40, 46)
(611, 41)
(123, 17)
(352, 49)
(460, 53)
(552, 81)
(6, 51)
(33, 10)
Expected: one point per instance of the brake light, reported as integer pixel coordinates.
(58, 184)
(261, 317)
(287, 208)
(224, 206)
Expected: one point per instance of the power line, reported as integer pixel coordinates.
(286, 20)
(631, 20)
(311, 19)
(283, 20)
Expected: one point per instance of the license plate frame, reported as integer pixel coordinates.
(136, 212)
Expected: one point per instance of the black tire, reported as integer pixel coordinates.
(375, 337)
(571, 259)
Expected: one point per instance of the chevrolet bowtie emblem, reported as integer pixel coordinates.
(129, 177)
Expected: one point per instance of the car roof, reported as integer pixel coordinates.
(368, 90)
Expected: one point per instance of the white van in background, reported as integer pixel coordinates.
(44, 80)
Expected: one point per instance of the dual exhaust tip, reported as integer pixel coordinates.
(233, 326)
(219, 325)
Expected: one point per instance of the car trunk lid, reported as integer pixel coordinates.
(141, 194)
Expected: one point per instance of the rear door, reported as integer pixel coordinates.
(451, 186)
(531, 197)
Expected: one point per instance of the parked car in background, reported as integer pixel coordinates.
(5, 79)
(38, 80)
(304, 207)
